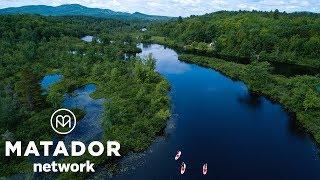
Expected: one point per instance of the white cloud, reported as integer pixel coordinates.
(179, 7)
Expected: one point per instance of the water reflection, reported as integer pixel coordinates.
(89, 38)
(89, 128)
(165, 59)
(251, 100)
(49, 80)
(293, 69)
(296, 128)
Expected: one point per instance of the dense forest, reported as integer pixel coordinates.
(265, 36)
(33, 46)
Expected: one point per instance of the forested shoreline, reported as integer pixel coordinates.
(258, 38)
(299, 94)
(33, 46)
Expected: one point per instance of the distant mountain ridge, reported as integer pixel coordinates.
(76, 9)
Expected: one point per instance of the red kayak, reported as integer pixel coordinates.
(183, 168)
(178, 155)
(205, 169)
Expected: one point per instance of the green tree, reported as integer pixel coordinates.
(312, 100)
(276, 14)
(258, 74)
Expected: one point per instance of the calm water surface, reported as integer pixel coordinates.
(89, 128)
(87, 38)
(217, 121)
(49, 80)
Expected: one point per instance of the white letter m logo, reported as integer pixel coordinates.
(63, 121)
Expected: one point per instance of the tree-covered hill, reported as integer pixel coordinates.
(266, 36)
(78, 10)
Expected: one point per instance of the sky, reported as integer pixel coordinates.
(178, 7)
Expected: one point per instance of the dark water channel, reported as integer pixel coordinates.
(218, 121)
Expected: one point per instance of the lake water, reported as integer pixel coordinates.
(49, 80)
(217, 121)
(87, 38)
(281, 68)
(291, 70)
(89, 127)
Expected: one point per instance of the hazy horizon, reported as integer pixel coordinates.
(178, 7)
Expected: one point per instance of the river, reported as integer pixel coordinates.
(218, 121)
(215, 120)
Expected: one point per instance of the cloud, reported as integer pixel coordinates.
(179, 7)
